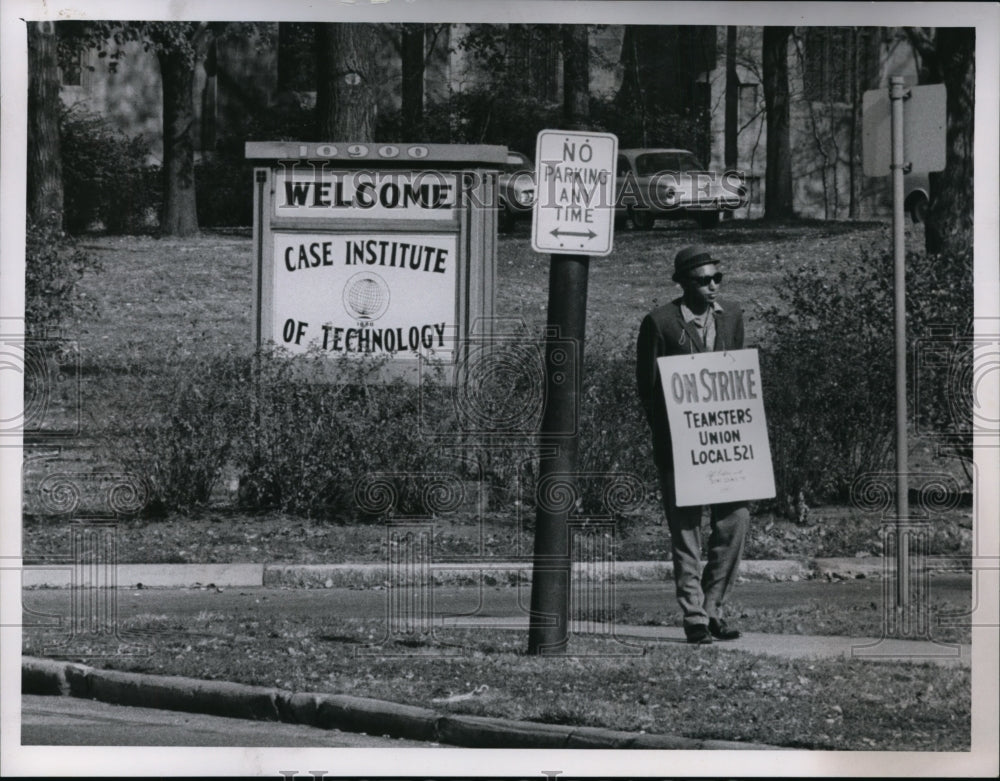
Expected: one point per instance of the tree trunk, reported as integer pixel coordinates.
(778, 175)
(576, 76)
(948, 229)
(345, 82)
(45, 185)
(180, 215)
(650, 78)
(629, 100)
(661, 67)
(732, 101)
(413, 82)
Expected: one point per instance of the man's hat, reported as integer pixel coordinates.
(689, 258)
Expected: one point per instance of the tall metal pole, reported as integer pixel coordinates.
(548, 630)
(897, 94)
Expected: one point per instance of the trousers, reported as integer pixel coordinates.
(702, 592)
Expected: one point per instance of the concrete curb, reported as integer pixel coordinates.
(508, 573)
(847, 569)
(504, 573)
(334, 711)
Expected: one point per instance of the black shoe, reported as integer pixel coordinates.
(721, 631)
(698, 635)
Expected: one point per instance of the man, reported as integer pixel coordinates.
(698, 321)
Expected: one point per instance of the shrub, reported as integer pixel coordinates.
(225, 192)
(224, 178)
(614, 437)
(106, 179)
(176, 423)
(322, 429)
(942, 348)
(641, 127)
(299, 431)
(53, 268)
(828, 365)
(614, 452)
(479, 115)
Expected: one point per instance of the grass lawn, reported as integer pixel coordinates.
(233, 536)
(172, 297)
(153, 293)
(654, 687)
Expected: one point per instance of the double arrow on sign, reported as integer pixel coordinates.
(557, 233)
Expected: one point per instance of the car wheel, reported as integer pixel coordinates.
(505, 219)
(642, 219)
(918, 208)
(707, 219)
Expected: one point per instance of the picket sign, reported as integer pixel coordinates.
(718, 430)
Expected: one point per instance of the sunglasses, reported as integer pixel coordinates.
(705, 280)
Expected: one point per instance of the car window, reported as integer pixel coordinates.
(653, 162)
(517, 162)
(623, 165)
(688, 162)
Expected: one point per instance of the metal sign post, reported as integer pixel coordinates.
(897, 93)
(548, 630)
(573, 218)
(916, 140)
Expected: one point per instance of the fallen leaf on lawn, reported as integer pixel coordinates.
(462, 697)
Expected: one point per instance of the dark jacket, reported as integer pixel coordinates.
(663, 332)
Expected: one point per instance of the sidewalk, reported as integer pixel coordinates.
(59, 575)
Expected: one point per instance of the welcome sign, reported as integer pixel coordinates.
(717, 427)
(375, 250)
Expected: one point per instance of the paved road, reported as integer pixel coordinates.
(68, 721)
(654, 598)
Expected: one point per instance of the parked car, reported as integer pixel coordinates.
(673, 184)
(918, 196)
(515, 190)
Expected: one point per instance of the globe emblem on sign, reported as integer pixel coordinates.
(366, 296)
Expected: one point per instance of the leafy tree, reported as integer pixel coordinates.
(947, 55)
(179, 47)
(105, 174)
(413, 61)
(576, 76)
(296, 56)
(659, 90)
(53, 268)
(45, 186)
(732, 101)
(778, 174)
(838, 64)
(513, 94)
